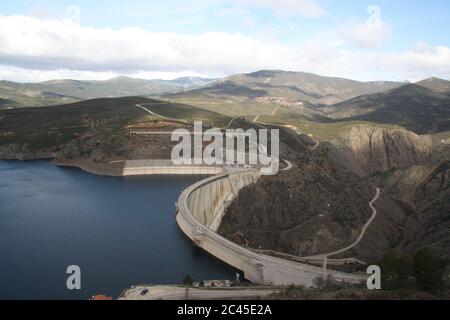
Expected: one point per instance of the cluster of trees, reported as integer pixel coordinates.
(422, 270)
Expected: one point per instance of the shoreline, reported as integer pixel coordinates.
(212, 198)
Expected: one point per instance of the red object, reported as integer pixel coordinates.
(101, 297)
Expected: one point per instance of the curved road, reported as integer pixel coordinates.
(258, 268)
(358, 240)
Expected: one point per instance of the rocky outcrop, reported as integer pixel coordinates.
(375, 148)
(316, 207)
(24, 151)
(424, 192)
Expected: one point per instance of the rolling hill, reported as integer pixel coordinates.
(412, 106)
(436, 84)
(65, 91)
(297, 86)
(42, 132)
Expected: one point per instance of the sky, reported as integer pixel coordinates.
(401, 40)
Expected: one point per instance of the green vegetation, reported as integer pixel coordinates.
(47, 129)
(414, 107)
(187, 113)
(423, 271)
(227, 106)
(396, 269)
(65, 91)
(188, 281)
(297, 86)
(322, 131)
(429, 271)
(52, 126)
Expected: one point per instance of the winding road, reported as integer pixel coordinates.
(358, 240)
(258, 268)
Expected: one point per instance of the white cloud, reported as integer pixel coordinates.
(370, 34)
(35, 75)
(34, 49)
(290, 7)
(19, 74)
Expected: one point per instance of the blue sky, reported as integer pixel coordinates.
(366, 40)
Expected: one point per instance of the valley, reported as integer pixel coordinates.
(347, 141)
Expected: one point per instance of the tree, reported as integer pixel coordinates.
(429, 271)
(396, 270)
(188, 281)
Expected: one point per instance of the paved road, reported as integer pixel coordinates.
(153, 113)
(325, 256)
(258, 268)
(276, 109)
(363, 231)
(184, 293)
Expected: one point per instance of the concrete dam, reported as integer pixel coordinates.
(200, 210)
(166, 167)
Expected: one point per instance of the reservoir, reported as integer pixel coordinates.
(120, 231)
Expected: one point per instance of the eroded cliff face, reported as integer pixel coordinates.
(424, 192)
(316, 207)
(376, 149)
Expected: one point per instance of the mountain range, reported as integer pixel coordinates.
(387, 134)
(13, 94)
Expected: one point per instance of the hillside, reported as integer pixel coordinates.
(375, 149)
(424, 191)
(414, 107)
(93, 131)
(317, 207)
(436, 84)
(65, 91)
(295, 86)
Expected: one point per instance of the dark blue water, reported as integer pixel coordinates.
(120, 231)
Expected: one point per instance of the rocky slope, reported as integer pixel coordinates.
(424, 192)
(375, 148)
(317, 207)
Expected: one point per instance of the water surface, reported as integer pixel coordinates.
(120, 231)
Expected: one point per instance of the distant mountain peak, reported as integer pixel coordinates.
(436, 84)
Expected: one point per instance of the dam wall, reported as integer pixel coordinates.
(166, 167)
(209, 201)
(200, 211)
